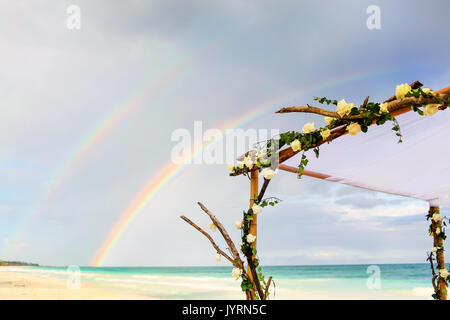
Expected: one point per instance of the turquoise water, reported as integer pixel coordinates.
(334, 281)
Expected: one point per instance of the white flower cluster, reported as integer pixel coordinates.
(435, 249)
(268, 173)
(436, 217)
(403, 89)
(344, 108)
(444, 273)
(236, 273)
(253, 160)
(250, 238)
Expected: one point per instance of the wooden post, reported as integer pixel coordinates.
(254, 222)
(439, 243)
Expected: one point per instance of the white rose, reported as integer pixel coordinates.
(236, 273)
(325, 134)
(251, 238)
(262, 154)
(329, 120)
(434, 249)
(268, 173)
(428, 90)
(436, 217)
(213, 227)
(401, 90)
(230, 167)
(241, 164)
(431, 109)
(256, 208)
(308, 127)
(239, 224)
(353, 128)
(438, 230)
(344, 108)
(444, 273)
(296, 145)
(248, 162)
(218, 256)
(384, 107)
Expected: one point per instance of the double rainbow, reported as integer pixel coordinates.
(166, 174)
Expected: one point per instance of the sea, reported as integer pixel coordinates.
(381, 281)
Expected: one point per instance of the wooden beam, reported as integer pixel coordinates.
(308, 173)
(254, 222)
(439, 243)
(399, 107)
(254, 195)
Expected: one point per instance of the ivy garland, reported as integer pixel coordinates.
(440, 234)
(246, 247)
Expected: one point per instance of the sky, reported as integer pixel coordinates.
(88, 115)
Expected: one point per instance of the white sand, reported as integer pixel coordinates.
(19, 286)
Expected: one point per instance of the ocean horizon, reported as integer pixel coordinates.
(355, 281)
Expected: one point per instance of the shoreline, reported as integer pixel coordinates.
(17, 285)
(20, 286)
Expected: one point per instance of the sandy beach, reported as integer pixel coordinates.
(19, 286)
(34, 284)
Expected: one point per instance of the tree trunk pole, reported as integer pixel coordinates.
(439, 243)
(254, 222)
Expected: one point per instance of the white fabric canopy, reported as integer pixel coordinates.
(418, 168)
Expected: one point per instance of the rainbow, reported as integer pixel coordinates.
(169, 171)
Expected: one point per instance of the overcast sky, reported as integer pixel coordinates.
(182, 61)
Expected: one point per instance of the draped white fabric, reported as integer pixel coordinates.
(419, 167)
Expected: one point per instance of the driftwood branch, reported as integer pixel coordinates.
(395, 107)
(392, 107)
(263, 189)
(433, 280)
(225, 235)
(211, 240)
(266, 291)
(254, 274)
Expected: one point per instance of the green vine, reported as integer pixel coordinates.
(439, 233)
(246, 246)
(366, 114)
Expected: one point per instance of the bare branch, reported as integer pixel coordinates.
(392, 107)
(211, 240)
(263, 189)
(433, 279)
(266, 291)
(309, 109)
(254, 275)
(365, 101)
(224, 233)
